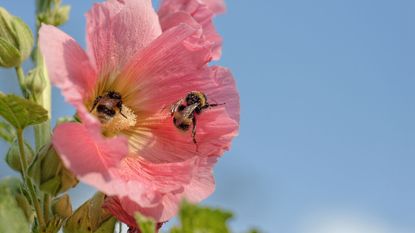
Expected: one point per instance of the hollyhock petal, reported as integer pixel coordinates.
(86, 153)
(116, 30)
(217, 6)
(198, 183)
(68, 65)
(176, 53)
(194, 12)
(202, 183)
(215, 127)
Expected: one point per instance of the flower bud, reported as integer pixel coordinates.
(62, 207)
(50, 174)
(56, 16)
(36, 81)
(13, 155)
(16, 40)
(91, 217)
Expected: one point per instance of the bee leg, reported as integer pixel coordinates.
(214, 105)
(122, 114)
(194, 133)
(95, 103)
(119, 105)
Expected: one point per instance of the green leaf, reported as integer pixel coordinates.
(12, 218)
(202, 220)
(146, 225)
(20, 112)
(7, 132)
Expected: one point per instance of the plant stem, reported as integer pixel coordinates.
(21, 79)
(46, 206)
(42, 131)
(28, 181)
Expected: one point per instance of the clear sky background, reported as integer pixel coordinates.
(327, 141)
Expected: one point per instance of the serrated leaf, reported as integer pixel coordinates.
(202, 219)
(7, 132)
(12, 218)
(20, 112)
(146, 225)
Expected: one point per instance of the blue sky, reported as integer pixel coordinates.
(327, 141)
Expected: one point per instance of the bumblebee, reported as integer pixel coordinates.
(184, 111)
(107, 106)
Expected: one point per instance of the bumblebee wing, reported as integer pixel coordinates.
(188, 111)
(175, 106)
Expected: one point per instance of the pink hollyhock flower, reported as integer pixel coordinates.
(135, 154)
(198, 13)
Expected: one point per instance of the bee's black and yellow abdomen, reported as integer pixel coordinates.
(182, 123)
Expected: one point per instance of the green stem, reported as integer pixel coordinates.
(21, 79)
(28, 181)
(46, 206)
(42, 131)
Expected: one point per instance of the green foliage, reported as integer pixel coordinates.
(12, 217)
(7, 132)
(202, 220)
(16, 40)
(20, 112)
(146, 225)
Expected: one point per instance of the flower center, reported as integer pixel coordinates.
(115, 121)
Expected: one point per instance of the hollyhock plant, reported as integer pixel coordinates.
(123, 86)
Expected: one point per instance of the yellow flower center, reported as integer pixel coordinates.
(113, 125)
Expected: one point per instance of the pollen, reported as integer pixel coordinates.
(119, 122)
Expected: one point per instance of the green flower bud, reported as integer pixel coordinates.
(13, 155)
(36, 82)
(16, 40)
(57, 16)
(50, 174)
(62, 207)
(91, 218)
